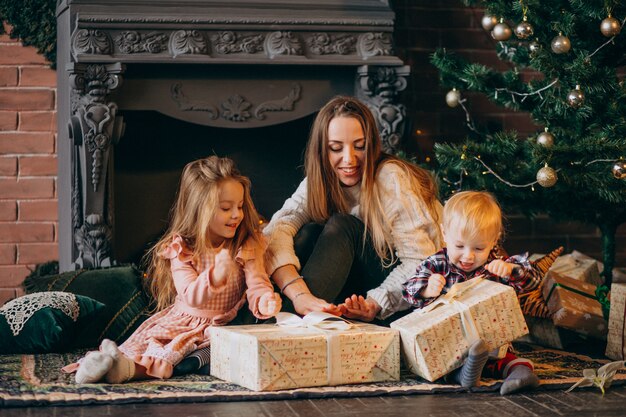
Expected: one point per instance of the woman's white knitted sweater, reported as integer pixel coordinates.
(414, 231)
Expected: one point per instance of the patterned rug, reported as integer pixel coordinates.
(32, 380)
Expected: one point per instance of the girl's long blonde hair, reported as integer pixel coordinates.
(196, 203)
(324, 189)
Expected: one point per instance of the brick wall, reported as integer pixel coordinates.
(28, 163)
(421, 27)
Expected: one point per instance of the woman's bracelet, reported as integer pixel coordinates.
(282, 290)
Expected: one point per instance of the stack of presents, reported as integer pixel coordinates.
(318, 350)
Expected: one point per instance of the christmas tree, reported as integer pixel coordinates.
(574, 167)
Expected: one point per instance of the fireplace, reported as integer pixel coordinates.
(146, 86)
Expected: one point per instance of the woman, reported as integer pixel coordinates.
(360, 221)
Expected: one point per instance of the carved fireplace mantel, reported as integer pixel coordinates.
(228, 64)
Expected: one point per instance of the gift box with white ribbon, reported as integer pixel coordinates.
(317, 350)
(616, 343)
(435, 339)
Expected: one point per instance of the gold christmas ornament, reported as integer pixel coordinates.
(561, 44)
(524, 30)
(610, 27)
(546, 177)
(619, 170)
(576, 97)
(453, 98)
(488, 22)
(545, 139)
(501, 31)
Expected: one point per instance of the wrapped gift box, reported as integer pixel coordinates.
(270, 357)
(435, 340)
(543, 332)
(573, 305)
(578, 266)
(616, 344)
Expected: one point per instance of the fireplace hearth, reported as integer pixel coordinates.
(146, 86)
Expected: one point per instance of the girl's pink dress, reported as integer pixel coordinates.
(167, 337)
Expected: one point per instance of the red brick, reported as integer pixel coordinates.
(38, 77)
(8, 120)
(41, 210)
(38, 165)
(8, 210)
(26, 232)
(8, 166)
(41, 121)
(7, 294)
(8, 76)
(31, 99)
(26, 143)
(19, 54)
(521, 122)
(27, 187)
(13, 275)
(8, 254)
(34, 253)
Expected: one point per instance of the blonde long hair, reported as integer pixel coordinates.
(196, 203)
(324, 190)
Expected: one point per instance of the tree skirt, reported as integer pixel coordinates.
(30, 380)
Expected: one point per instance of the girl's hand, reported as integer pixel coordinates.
(270, 304)
(357, 307)
(436, 282)
(305, 303)
(223, 267)
(500, 268)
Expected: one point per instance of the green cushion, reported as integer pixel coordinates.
(44, 322)
(118, 288)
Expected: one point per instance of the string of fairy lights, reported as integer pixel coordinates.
(546, 176)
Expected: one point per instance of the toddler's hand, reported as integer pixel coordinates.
(360, 308)
(222, 268)
(436, 282)
(500, 268)
(270, 304)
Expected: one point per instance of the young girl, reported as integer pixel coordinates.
(202, 270)
(472, 227)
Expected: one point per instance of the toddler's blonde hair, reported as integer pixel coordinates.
(473, 213)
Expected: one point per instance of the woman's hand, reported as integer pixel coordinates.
(306, 302)
(436, 282)
(500, 268)
(270, 304)
(357, 307)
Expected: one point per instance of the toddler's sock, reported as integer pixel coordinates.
(469, 374)
(123, 368)
(93, 367)
(196, 362)
(521, 377)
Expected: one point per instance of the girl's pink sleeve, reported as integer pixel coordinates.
(250, 257)
(193, 288)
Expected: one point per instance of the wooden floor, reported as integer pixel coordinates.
(584, 402)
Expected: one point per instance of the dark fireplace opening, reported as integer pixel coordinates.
(150, 157)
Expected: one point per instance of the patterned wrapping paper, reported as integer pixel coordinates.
(543, 332)
(574, 306)
(267, 357)
(575, 265)
(616, 345)
(436, 341)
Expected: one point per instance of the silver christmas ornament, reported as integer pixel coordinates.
(534, 47)
(545, 139)
(488, 22)
(524, 30)
(561, 44)
(501, 31)
(576, 97)
(610, 27)
(619, 170)
(453, 98)
(546, 177)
